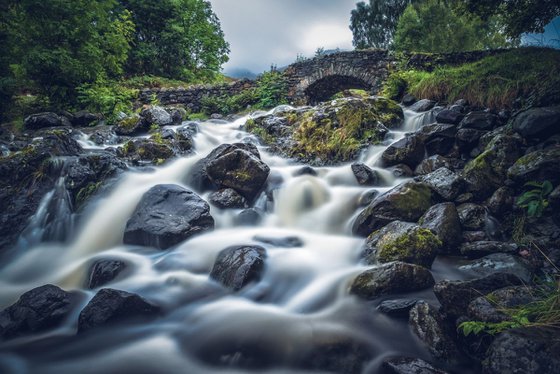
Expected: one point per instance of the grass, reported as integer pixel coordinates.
(530, 74)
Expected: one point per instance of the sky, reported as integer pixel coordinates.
(265, 32)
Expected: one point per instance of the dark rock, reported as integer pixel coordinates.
(227, 198)
(284, 242)
(85, 118)
(402, 241)
(474, 236)
(464, 198)
(429, 325)
(439, 146)
(103, 272)
(490, 308)
(443, 220)
(408, 100)
(167, 215)
(237, 266)
(479, 121)
(455, 296)
(538, 122)
(131, 126)
(407, 365)
(554, 198)
(444, 182)
(178, 115)
(498, 263)
(109, 306)
(157, 116)
(409, 150)
(537, 166)
(467, 139)
(529, 350)
(398, 308)
(248, 217)
(305, 170)
(431, 164)
(483, 248)
(148, 150)
(472, 216)
(37, 310)
(44, 120)
(391, 278)
(453, 117)
(422, 105)
(367, 197)
(405, 202)
(501, 201)
(401, 171)
(437, 130)
(364, 174)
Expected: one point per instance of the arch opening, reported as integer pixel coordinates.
(324, 88)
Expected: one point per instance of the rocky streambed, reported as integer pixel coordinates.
(354, 236)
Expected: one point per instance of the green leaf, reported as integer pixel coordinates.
(547, 188)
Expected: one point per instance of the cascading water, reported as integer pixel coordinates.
(301, 302)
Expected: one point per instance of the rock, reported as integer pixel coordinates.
(444, 182)
(455, 296)
(467, 139)
(501, 201)
(409, 150)
(131, 126)
(538, 122)
(537, 166)
(103, 272)
(156, 115)
(148, 150)
(482, 248)
(285, 242)
(464, 198)
(109, 306)
(167, 215)
(44, 120)
(490, 308)
(479, 121)
(443, 220)
(554, 198)
(178, 115)
(37, 310)
(431, 164)
(248, 217)
(438, 138)
(472, 216)
(227, 198)
(405, 202)
(407, 365)
(408, 100)
(305, 170)
(391, 278)
(498, 263)
(422, 105)
(237, 266)
(367, 197)
(453, 117)
(529, 350)
(429, 325)
(401, 171)
(398, 308)
(364, 174)
(402, 241)
(84, 118)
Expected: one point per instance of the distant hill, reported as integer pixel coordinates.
(240, 73)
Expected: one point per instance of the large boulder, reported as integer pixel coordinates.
(237, 266)
(132, 125)
(391, 278)
(438, 138)
(103, 272)
(109, 306)
(487, 247)
(450, 116)
(406, 202)
(443, 220)
(365, 176)
(44, 120)
(444, 182)
(167, 215)
(409, 151)
(398, 308)
(537, 166)
(402, 241)
(227, 198)
(479, 121)
(498, 263)
(538, 122)
(472, 216)
(431, 164)
(37, 310)
(157, 115)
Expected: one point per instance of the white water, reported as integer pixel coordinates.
(302, 298)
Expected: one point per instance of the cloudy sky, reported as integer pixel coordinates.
(262, 32)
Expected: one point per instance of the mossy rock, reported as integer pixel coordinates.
(132, 125)
(539, 165)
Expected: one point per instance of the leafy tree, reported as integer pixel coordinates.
(180, 39)
(434, 26)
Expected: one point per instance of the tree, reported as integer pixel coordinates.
(434, 26)
(179, 39)
(373, 25)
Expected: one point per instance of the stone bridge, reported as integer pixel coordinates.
(315, 80)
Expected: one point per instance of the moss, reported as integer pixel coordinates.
(129, 123)
(419, 246)
(480, 163)
(85, 193)
(414, 199)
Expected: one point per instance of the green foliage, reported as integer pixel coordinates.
(534, 200)
(492, 328)
(197, 116)
(272, 90)
(434, 26)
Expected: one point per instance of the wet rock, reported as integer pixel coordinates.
(397, 308)
(438, 138)
(283, 242)
(501, 201)
(455, 296)
(44, 120)
(402, 241)
(474, 236)
(472, 216)
(131, 126)
(482, 248)
(178, 115)
(444, 182)
(367, 197)
(450, 116)
(147, 150)
(405, 202)
(490, 308)
(167, 215)
(408, 100)
(429, 325)
(407, 365)
(443, 220)
(498, 263)
(110, 306)
(467, 139)
(401, 171)
(538, 122)
(249, 217)
(529, 350)
(103, 272)
(364, 174)
(431, 164)
(227, 198)
(157, 115)
(37, 310)
(479, 121)
(305, 170)
(409, 150)
(237, 266)
(422, 105)
(537, 166)
(391, 278)
(84, 118)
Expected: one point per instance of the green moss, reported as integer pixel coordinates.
(414, 199)
(480, 163)
(129, 122)
(85, 193)
(197, 116)
(418, 246)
